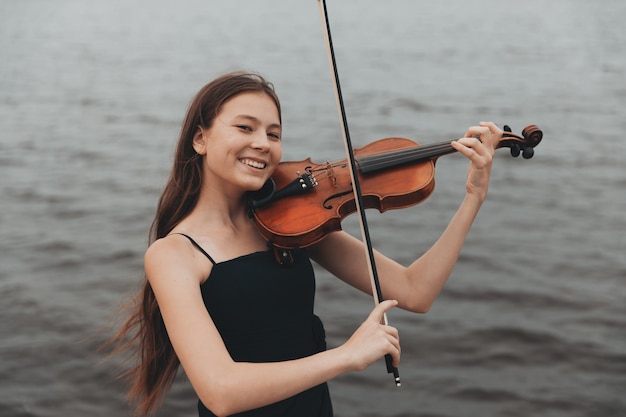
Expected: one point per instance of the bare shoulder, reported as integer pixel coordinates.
(164, 250)
(172, 258)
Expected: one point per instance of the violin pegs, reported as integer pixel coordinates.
(515, 150)
(506, 128)
(528, 153)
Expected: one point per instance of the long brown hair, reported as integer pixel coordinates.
(143, 334)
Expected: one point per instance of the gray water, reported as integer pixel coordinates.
(533, 319)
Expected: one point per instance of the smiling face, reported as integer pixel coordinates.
(242, 148)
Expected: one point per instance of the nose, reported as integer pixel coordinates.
(261, 142)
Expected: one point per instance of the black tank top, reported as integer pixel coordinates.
(264, 313)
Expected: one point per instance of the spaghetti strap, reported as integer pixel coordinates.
(197, 246)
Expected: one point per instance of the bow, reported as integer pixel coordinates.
(369, 252)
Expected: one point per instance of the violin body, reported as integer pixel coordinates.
(304, 219)
(304, 200)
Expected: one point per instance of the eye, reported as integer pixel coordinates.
(244, 127)
(275, 136)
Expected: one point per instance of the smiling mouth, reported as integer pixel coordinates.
(253, 164)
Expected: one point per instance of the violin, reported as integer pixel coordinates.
(303, 201)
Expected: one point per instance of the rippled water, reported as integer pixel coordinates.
(533, 320)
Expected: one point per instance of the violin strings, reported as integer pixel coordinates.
(390, 159)
(403, 156)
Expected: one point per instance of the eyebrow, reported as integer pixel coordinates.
(256, 120)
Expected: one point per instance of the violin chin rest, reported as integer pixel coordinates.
(263, 195)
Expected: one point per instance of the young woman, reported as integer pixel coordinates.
(217, 302)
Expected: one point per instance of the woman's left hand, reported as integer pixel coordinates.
(478, 145)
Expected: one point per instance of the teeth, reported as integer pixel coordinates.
(255, 164)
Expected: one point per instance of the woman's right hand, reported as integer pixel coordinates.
(373, 340)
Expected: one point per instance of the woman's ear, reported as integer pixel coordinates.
(199, 142)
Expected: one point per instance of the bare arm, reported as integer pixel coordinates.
(218, 380)
(417, 286)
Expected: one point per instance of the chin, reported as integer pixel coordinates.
(257, 186)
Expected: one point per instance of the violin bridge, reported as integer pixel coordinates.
(331, 174)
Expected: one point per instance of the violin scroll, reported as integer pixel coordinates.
(525, 144)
